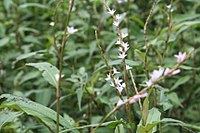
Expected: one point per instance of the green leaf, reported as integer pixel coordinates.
(140, 55)
(46, 115)
(4, 41)
(180, 82)
(152, 120)
(79, 93)
(119, 129)
(8, 116)
(49, 71)
(33, 5)
(174, 98)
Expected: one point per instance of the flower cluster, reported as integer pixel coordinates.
(157, 74)
(71, 30)
(116, 82)
(131, 99)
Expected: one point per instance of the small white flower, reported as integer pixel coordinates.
(118, 17)
(128, 67)
(123, 85)
(71, 30)
(108, 77)
(118, 42)
(111, 12)
(115, 70)
(52, 24)
(119, 88)
(181, 57)
(118, 81)
(112, 84)
(122, 55)
(126, 46)
(169, 6)
(57, 76)
(121, 1)
(116, 23)
(124, 35)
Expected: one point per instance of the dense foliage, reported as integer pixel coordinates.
(41, 53)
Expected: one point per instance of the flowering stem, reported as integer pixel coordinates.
(107, 65)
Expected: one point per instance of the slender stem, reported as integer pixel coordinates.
(61, 54)
(135, 88)
(146, 40)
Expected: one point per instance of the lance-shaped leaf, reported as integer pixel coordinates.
(44, 114)
(49, 71)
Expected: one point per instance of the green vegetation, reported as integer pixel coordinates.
(99, 66)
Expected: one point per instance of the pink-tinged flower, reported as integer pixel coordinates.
(122, 55)
(137, 97)
(115, 70)
(156, 74)
(176, 71)
(149, 83)
(116, 23)
(181, 57)
(120, 102)
(125, 46)
(111, 12)
(108, 77)
(71, 30)
(167, 71)
(120, 49)
(124, 35)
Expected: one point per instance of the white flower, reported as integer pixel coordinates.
(123, 85)
(118, 42)
(124, 35)
(122, 55)
(115, 70)
(118, 17)
(108, 77)
(128, 67)
(116, 23)
(71, 30)
(52, 24)
(112, 84)
(118, 81)
(181, 57)
(169, 6)
(121, 1)
(119, 88)
(57, 76)
(111, 12)
(137, 97)
(126, 46)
